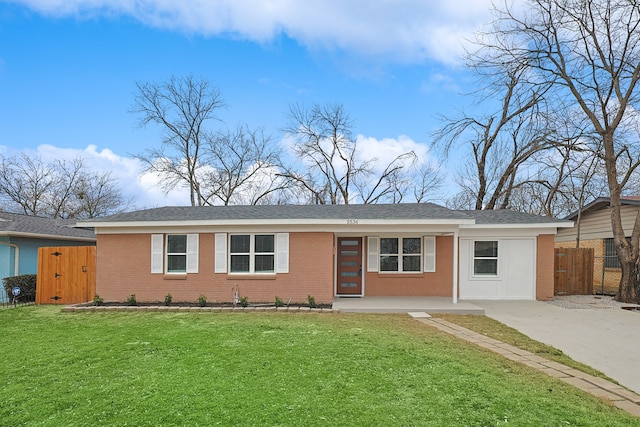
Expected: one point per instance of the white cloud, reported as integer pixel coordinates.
(387, 149)
(406, 31)
(140, 188)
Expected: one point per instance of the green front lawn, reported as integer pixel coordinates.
(290, 369)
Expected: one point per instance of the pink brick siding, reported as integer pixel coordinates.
(124, 268)
(438, 283)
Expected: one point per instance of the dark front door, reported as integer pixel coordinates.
(349, 266)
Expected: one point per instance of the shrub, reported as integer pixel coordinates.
(167, 300)
(312, 301)
(131, 300)
(279, 302)
(26, 283)
(97, 300)
(244, 301)
(202, 301)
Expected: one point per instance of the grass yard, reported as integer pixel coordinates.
(289, 369)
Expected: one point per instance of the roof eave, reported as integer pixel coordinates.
(562, 224)
(266, 221)
(46, 236)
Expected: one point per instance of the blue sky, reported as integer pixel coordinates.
(68, 70)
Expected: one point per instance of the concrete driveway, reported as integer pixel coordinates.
(607, 339)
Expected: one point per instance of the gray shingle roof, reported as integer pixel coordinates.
(505, 216)
(402, 211)
(17, 224)
(278, 212)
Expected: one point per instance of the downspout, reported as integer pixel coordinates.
(16, 257)
(455, 267)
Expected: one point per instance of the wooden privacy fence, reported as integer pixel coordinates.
(573, 271)
(66, 274)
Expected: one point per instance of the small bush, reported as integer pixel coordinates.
(97, 300)
(131, 300)
(244, 301)
(202, 301)
(26, 283)
(312, 301)
(168, 299)
(279, 302)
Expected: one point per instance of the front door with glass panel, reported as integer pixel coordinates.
(349, 266)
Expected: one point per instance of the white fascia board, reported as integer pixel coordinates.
(562, 224)
(270, 222)
(338, 229)
(507, 233)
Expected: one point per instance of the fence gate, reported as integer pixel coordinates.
(573, 271)
(66, 274)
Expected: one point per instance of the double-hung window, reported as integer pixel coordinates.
(485, 258)
(252, 253)
(176, 253)
(400, 254)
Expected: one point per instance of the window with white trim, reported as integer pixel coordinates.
(174, 253)
(252, 253)
(400, 254)
(485, 258)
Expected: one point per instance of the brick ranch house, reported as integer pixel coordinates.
(596, 233)
(325, 251)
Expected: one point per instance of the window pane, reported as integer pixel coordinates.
(239, 263)
(240, 244)
(177, 244)
(264, 264)
(410, 263)
(264, 243)
(388, 263)
(411, 245)
(485, 266)
(388, 246)
(610, 255)
(177, 263)
(486, 249)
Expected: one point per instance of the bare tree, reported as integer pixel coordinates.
(589, 52)
(332, 169)
(182, 106)
(58, 189)
(242, 167)
(502, 144)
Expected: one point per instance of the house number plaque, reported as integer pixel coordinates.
(352, 221)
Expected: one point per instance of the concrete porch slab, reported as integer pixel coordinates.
(404, 304)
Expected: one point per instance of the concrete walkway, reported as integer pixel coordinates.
(619, 396)
(607, 339)
(404, 305)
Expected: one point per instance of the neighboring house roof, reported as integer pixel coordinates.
(414, 213)
(603, 202)
(45, 228)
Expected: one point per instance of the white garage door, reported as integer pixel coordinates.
(515, 276)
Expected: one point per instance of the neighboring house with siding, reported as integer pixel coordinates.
(595, 231)
(22, 235)
(326, 251)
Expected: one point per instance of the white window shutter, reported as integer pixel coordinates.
(429, 254)
(282, 252)
(157, 255)
(192, 253)
(373, 254)
(221, 253)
